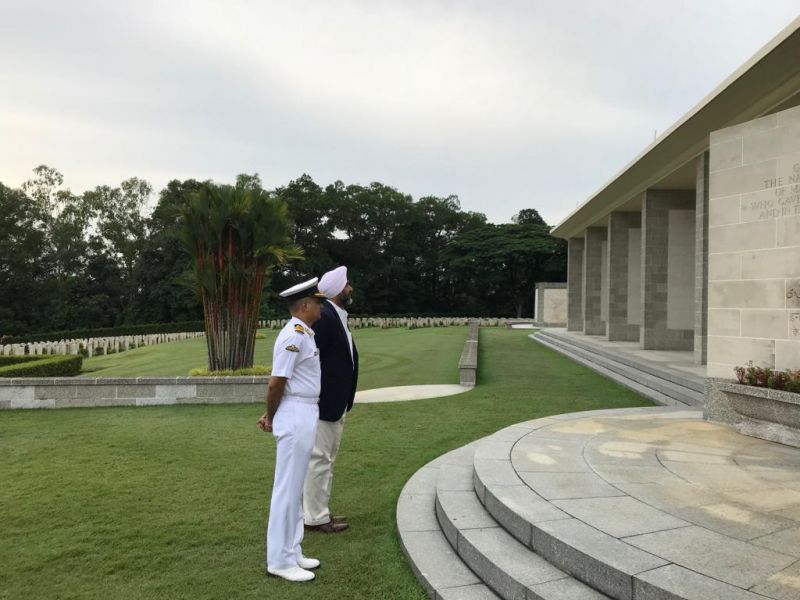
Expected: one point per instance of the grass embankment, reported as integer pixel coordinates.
(388, 357)
(171, 502)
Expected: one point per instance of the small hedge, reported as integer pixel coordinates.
(257, 370)
(765, 377)
(41, 366)
(76, 334)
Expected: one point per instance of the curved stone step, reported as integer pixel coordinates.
(538, 482)
(437, 567)
(510, 568)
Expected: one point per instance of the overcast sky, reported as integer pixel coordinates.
(508, 105)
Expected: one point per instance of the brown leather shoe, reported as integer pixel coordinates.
(329, 527)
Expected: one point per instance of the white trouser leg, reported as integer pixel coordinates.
(319, 479)
(294, 428)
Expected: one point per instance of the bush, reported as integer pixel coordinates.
(74, 334)
(41, 366)
(256, 370)
(765, 377)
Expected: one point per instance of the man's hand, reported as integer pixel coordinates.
(265, 423)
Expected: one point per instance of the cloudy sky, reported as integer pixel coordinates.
(507, 104)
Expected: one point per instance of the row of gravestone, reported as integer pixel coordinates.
(406, 322)
(94, 346)
(109, 345)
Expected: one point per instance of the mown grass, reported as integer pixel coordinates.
(388, 357)
(171, 502)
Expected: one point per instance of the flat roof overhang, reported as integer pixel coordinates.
(769, 81)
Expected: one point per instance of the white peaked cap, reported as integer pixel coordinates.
(301, 290)
(333, 282)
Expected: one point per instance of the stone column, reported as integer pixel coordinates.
(575, 285)
(668, 234)
(624, 268)
(594, 305)
(701, 261)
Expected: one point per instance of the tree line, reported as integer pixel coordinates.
(98, 259)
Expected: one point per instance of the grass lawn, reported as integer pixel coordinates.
(387, 357)
(171, 502)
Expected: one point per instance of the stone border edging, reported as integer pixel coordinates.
(68, 392)
(468, 363)
(764, 413)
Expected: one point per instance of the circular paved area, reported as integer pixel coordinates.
(693, 493)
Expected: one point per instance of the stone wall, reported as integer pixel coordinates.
(39, 392)
(667, 281)
(551, 304)
(754, 245)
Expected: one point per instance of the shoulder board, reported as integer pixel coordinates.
(299, 328)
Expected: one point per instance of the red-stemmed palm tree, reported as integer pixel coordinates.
(236, 236)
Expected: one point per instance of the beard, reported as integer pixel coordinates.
(345, 299)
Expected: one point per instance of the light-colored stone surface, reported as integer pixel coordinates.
(700, 512)
(408, 392)
(755, 218)
(714, 555)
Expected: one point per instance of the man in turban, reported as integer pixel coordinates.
(339, 362)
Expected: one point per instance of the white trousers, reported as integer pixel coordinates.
(294, 428)
(319, 479)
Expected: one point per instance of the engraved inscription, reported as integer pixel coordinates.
(793, 293)
(794, 325)
(784, 201)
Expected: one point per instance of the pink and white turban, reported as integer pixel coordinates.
(333, 282)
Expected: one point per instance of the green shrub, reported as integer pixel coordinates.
(765, 377)
(42, 366)
(74, 334)
(15, 360)
(257, 370)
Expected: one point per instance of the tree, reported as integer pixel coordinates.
(499, 265)
(22, 248)
(160, 293)
(528, 216)
(235, 236)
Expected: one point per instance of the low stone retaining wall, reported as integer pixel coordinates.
(759, 412)
(66, 392)
(468, 364)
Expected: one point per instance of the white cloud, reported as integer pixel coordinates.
(508, 104)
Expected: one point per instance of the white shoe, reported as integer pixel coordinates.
(308, 563)
(292, 574)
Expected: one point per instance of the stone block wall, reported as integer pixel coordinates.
(575, 285)
(551, 304)
(594, 304)
(668, 233)
(754, 245)
(701, 261)
(623, 302)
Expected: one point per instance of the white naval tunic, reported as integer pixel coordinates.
(294, 426)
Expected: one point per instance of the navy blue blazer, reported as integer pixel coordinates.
(339, 372)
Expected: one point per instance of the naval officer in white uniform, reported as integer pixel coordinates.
(292, 416)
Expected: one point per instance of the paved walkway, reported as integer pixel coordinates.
(408, 392)
(629, 504)
(676, 360)
(700, 497)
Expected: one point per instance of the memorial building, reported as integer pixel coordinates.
(692, 251)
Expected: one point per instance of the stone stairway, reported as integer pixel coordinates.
(523, 515)
(661, 385)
